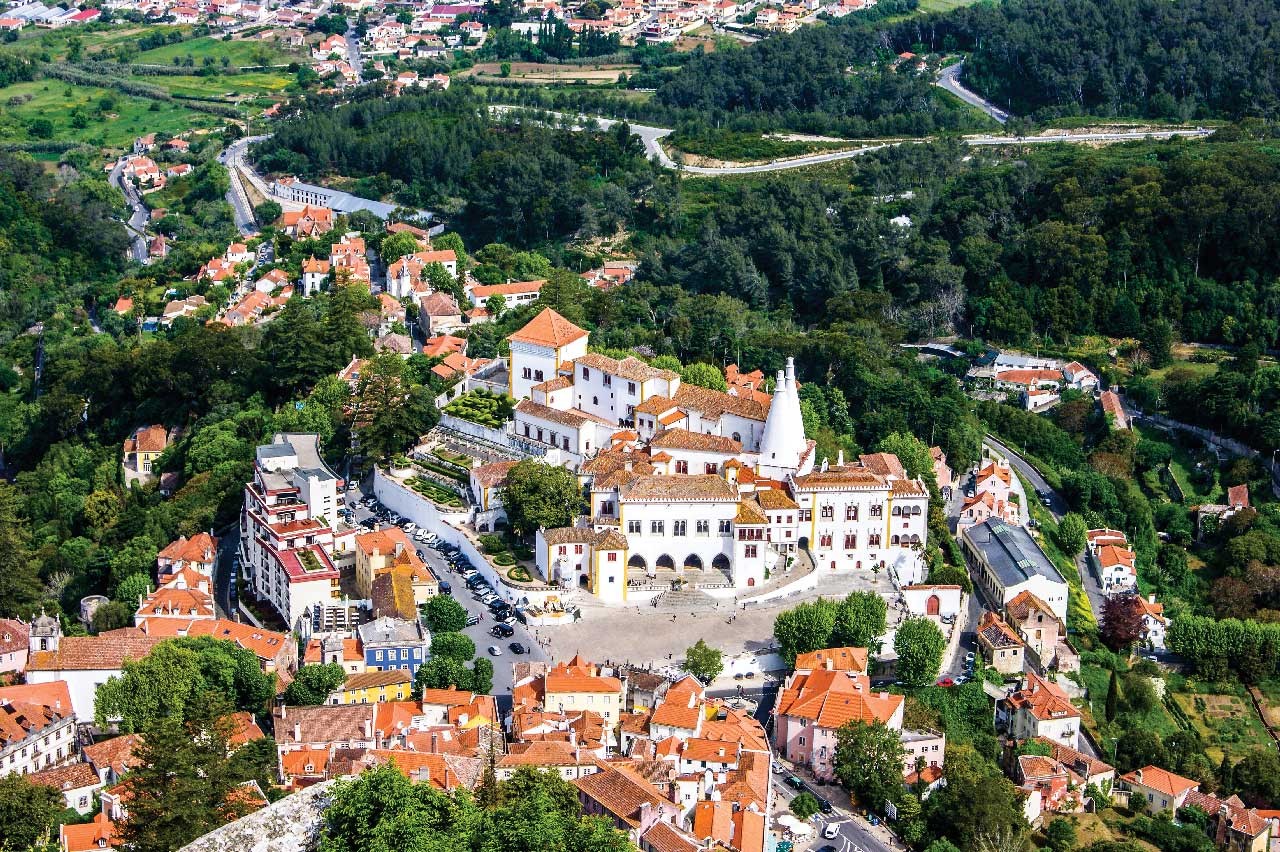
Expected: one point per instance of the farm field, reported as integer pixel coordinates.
(56, 43)
(1225, 721)
(238, 52)
(57, 101)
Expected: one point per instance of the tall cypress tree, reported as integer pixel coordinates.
(1113, 696)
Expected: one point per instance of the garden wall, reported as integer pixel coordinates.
(475, 430)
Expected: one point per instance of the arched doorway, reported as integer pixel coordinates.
(693, 562)
(803, 542)
(720, 563)
(583, 581)
(932, 605)
(665, 561)
(637, 563)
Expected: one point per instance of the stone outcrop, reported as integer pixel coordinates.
(290, 825)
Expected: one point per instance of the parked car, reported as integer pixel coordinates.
(795, 782)
(473, 620)
(831, 831)
(445, 588)
(502, 631)
(495, 651)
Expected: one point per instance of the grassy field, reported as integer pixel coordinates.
(237, 53)
(1183, 463)
(943, 5)
(225, 86)
(56, 101)
(56, 43)
(537, 72)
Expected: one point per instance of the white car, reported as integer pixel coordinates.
(411, 528)
(495, 651)
(831, 832)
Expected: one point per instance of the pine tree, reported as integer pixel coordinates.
(1113, 696)
(1226, 775)
(20, 587)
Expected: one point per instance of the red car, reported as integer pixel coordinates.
(946, 681)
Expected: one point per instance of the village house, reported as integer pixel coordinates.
(75, 782)
(1036, 624)
(1007, 561)
(83, 662)
(1039, 708)
(141, 450)
(14, 645)
(184, 596)
(198, 553)
(37, 727)
(1157, 790)
(394, 643)
(373, 687)
(999, 644)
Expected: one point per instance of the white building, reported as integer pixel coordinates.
(83, 662)
(37, 727)
(862, 516)
(538, 350)
(287, 523)
(1006, 560)
(513, 293)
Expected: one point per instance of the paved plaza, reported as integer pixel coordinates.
(640, 634)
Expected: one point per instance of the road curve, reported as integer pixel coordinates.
(949, 81)
(651, 137)
(139, 216)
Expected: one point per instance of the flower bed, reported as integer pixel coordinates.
(504, 559)
(445, 471)
(519, 574)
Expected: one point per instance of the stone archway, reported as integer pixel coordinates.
(720, 563)
(693, 562)
(665, 561)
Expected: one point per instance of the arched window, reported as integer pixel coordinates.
(737, 437)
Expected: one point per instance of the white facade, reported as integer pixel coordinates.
(534, 363)
(48, 745)
(290, 510)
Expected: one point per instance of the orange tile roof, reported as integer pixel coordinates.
(511, 288)
(56, 694)
(147, 439)
(620, 792)
(1043, 700)
(116, 753)
(682, 706)
(1161, 780)
(96, 835)
(994, 632)
(832, 698)
(72, 776)
(578, 676)
(548, 329)
(837, 659)
(295, 763)
(350, 651)
(1024, 604)
(201, 547)
(374, 680)
(92, 653)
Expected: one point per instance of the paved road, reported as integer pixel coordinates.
(855, 833)
(233, 159)
(223, 576)
(353, 53)
(138, 218)
(651, 137)
(949, 80)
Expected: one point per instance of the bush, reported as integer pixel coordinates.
(520, 575)
(504, 559)
(492, 544)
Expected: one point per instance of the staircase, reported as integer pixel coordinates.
(687, 599)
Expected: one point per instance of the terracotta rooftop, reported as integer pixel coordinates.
(374, 680)
(548, 329)
(683, 439)
(116, 753)
(837, 659)
(620, 792)
(1161, 780)
(92, 653)
(629, 368)
(707, 486)
(69, 777)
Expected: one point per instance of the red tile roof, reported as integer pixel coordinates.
(548, 329)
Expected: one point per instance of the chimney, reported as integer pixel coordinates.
(435, 745)
(573, 737)
(368, 729)
(1151, 598)
(1137, 775)
(297, 732)
(840, 458)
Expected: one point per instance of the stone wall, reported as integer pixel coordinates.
(290, 825)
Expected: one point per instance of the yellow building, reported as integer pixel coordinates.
(578, 685)
(374, 687)
(382, 550)
(142, 449)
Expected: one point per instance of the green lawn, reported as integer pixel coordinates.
(227, 86)
(1224, 717)
(1183, 462)
(943, 5)
(56, 101)
(237, 53)
(94, 39)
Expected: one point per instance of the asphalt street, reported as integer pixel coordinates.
(139, 216)
(949, 80)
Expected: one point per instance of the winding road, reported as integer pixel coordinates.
(651, 137)
(949, 81)
(139, 216)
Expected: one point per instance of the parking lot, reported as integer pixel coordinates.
(467, 588)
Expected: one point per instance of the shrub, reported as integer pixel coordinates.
(492, 544)
(504, 559)
(520, 574)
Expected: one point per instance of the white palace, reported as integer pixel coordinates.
(720, 488)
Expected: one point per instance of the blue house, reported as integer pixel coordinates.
(393, 643)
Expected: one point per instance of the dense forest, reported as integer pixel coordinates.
(835, 79)
(502, 180)
(1183, 60)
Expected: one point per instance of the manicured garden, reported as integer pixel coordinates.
(434, 491)
(480, 406)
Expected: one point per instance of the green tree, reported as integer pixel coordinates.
(1071, 535)
(911, 451)
(267, 212)
(804, 628)
(703, 662)
(179, 677)
(457, 646)
(868, 762)
(389, 413)
(443, 614)
(977, 801)
(919, 645)
(1113, 696)
(538, 495)
(20, 587)
(1257, 778)
(1061, 835)
(860, 618)
(1137, 748)
(313, 684)
(182, 786)
(805, 805)
(496, 305)
(27, 812)
(703, 375)
(396, 246)
(112, 616)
